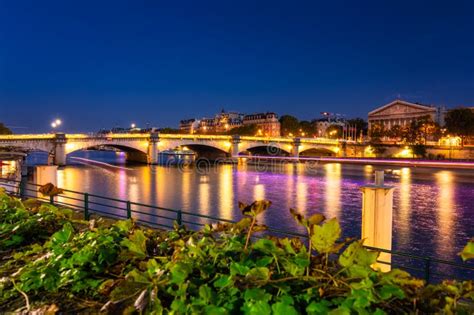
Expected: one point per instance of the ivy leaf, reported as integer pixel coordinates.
(468, 251)
(387, 291)
(316, 219)
(136, 244)
(325, 236)
(179, 273)
(258, 273)
(255, 208)
(355, 253)
(64, 235)
(124, 225)
(265, 246)
(318, 308)
(223, 281)
(238, 269)
(299, 218)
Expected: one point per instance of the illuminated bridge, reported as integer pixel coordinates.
(146, 147)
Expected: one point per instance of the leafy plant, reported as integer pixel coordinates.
(222, 269)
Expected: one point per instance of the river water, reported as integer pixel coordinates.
(433, 209)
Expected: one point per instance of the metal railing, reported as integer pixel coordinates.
(429, 268)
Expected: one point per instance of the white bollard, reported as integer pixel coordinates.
(377, 217)
(45, 174)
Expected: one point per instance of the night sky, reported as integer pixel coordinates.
(99, 64)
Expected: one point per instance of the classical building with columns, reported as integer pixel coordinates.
(402, 113)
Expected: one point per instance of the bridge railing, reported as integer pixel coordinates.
(429, 268)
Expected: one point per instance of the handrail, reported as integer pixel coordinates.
(128, 212)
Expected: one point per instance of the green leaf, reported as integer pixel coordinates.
(468, 251)
(259, 273)
(387, 291)
(318, 308)
(179, 273)
(284, 306)
(223, 281)
(256, 308)
(124, 225)
(238, 269)
(265, 246)
(136, 244)
(355, 253)
(64, 235)
(325, 236)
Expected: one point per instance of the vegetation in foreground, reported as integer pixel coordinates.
(52, 261)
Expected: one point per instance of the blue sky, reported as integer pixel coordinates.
(100, 64)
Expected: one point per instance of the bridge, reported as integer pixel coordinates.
(145, 147)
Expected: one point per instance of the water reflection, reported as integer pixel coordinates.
(333, 189)
(446, 208)
(404, 206)
(226, 192)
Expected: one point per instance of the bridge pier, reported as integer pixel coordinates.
(59, 149)
(295, 151)
(153, 150)
(234, 149)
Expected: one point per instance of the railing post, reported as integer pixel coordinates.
(51, 200)
(179, 218)
(427, 269)
(129, 209)
(86, 207)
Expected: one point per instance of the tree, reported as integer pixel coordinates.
(334, 132)
(460, 122)
(419, 150)
(377, 131)
(396, 132)
(289, 125)
(306, 129)
(4, 130)
(244, 130)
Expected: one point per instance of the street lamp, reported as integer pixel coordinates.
(133, 125)
(56, 123)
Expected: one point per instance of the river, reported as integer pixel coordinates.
(433, 208)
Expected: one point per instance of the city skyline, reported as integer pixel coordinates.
(111, 64)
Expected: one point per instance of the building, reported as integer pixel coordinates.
(402, 113)
(329, 119)
(189, 125)
(220, 123)
(267, 123)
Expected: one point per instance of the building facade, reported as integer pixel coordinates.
(267, 123)
(402, 113)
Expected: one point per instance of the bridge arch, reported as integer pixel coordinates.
(126, 146)
(270, 149)
(318, 151)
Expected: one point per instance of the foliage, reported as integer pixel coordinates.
(4, 130)
(221, 269)
(244, 130)
(419, 150)
(289, 125)
(460, 122)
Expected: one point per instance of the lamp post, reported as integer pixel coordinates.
(56, 123)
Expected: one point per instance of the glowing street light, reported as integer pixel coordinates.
(54, 124)
(58, 122)
(133, 125)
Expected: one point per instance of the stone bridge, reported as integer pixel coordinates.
(146, 147)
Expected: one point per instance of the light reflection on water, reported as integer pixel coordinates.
(433, 209)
